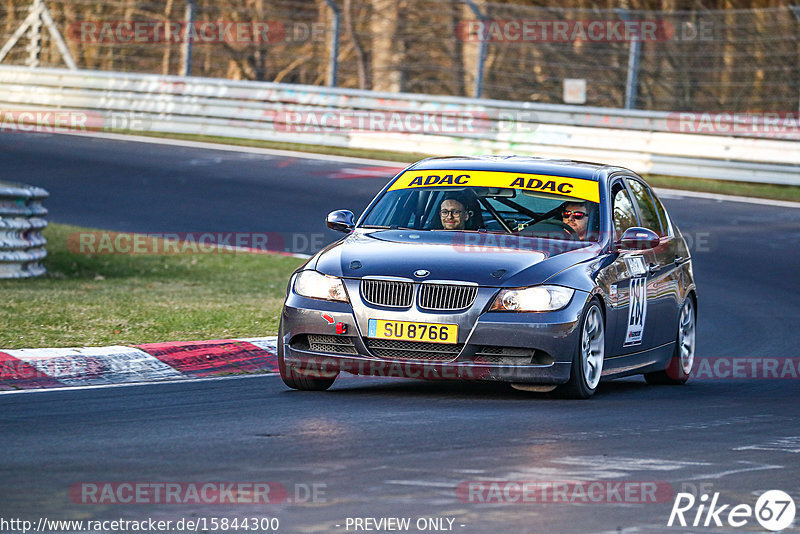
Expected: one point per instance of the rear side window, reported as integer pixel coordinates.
(662, 215)
(647, 208)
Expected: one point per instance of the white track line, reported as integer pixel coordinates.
(183, 380)
(727, 198)
(238, 148)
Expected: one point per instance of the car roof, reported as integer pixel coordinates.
(521, 164)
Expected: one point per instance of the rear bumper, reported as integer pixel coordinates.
(554, 337)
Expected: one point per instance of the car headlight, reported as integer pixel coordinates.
(319, 286)
(533, 299)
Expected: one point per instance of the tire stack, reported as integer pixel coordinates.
(21, 224)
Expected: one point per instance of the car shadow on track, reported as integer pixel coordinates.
(367, 386)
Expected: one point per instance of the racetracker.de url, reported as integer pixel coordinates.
(149, 525)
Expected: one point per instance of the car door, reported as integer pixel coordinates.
(663, 287)
(630, 300)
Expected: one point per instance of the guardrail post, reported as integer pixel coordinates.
(796, 11)
(186, 53)
(333, 61)
(37, 16)
(481, 49)
(21, 224)
(632, 82)
(35, 35)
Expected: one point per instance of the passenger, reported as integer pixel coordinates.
(576, 216)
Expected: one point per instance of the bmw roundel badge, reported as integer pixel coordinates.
(421, 273)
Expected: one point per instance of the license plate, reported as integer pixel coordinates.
(410, 331)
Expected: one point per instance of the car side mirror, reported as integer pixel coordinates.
(341, 221)
(636, 238)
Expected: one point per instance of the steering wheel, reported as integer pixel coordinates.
(572, 235)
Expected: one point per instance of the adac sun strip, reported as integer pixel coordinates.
(543, 183)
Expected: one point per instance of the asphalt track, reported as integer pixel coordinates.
(381, 447)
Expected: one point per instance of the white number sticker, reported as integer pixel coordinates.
(637, 310)
(635, 265)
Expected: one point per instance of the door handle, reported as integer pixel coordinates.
(678, 259)
(652, 268)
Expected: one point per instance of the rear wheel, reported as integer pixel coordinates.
(587, 363)
(297, 379)
(680, 365)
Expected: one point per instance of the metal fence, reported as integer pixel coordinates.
(21, 222)
(704, 59)
(52, 100)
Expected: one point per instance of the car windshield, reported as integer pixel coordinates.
(516, 210)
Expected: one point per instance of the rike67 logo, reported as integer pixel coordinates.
(774, 511)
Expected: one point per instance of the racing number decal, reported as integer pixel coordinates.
(637, 310)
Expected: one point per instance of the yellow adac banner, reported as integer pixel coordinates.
(543, 183)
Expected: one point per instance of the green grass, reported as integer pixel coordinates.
(131, 299)
(747, 189)
(386, 155)
(725, 187)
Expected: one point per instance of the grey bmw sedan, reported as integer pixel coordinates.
(546, 274)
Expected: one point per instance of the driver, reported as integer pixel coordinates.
(454, 214)
(576, 216)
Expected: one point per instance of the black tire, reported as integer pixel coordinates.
(579, 386)
(297, 379)
(678, 369)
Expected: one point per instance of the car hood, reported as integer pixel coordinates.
(495, 260)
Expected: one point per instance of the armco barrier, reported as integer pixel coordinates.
(21, 223)
(642, 140)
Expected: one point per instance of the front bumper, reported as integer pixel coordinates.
(551, 339)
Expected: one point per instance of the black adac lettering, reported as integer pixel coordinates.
(448, 179)
(551, 185)
(565, 188)
(534, 183)
(462, 179)
(416, 181)
(519, 182)
(432, 179)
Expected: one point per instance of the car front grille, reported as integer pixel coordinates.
(413, 350)
(326, 344)
(431, 296)
(446, 296)
(393, 293)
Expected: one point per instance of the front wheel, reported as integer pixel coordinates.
(680, 365)
(587, 363)
(297, 379)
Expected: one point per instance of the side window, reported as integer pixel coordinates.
(647, 208)
(624, 214)
(662, 215)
